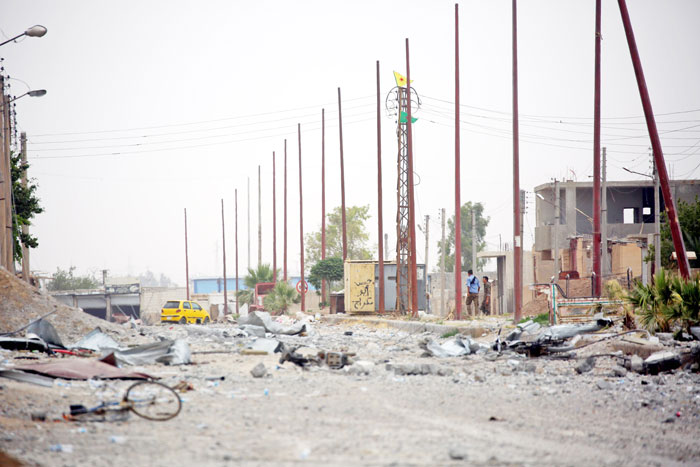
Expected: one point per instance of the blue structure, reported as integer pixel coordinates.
(216, 284)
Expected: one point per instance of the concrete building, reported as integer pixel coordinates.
(630, 220)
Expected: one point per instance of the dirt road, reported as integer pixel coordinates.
(511, 410)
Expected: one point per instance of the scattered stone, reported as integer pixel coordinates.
(259, 370)
(458, 453)
(528, 367)
(361, 367)
(586, 365)
(603, 384)
(619, 371)
(479, 378)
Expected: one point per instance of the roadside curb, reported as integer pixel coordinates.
(413, 327)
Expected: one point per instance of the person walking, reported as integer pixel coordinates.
(473, 288)
(486, 302)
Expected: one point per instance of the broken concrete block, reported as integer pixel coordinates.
(259, 370)
(619, 371)
(458, 453)
(602, 384)
(637, 364)
(361, 367)
(662, 361)
(586, 365)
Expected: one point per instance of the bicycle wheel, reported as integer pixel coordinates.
(153, 400)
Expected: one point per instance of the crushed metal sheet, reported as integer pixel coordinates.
(97, 341)
(23, 343)
(26, 377)
(455, 347)
(81, 369)
(46, 332)
(167, 352)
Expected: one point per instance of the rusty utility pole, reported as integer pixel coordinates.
(342, 179)
(517, 238)
(597, 282)
(274, 221)
(301, 227)
(223, 236)
(236, 240)
(284, 261)
(25, 228)
(380, 218)
(323, 198)
(411, 196)
(458, 202)
(5, 182)
(187, 261)
(676, 235)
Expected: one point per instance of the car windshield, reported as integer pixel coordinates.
(172, 304)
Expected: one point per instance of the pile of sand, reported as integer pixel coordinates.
(20, 303)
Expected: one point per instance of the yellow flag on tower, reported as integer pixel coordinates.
(400, 79)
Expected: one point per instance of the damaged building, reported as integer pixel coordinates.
(630, 217)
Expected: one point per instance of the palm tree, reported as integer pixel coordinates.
(281, 298)
(263, 273)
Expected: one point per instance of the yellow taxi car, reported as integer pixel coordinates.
(184, 312)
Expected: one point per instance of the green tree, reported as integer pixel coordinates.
(263, 273)
(281, 297)
(466, 221)
(26, 206)
(329, 269)
(689, 218)
(355, 218)
(67, 280)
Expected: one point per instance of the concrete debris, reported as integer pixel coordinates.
(269, 346)
(407, 369)
(637, 364)
(662, 361)
(262, 318)
(259, 370)
(253, 330)
(454, 347)
(361, 367)
(586, 365)
(603, 384)
(695, 331)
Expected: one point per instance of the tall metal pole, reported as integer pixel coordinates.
(474, 263)
(411, 195)
(248, 222)
(442, 267)
(25, 228)
(458, 202)
(380, 218)
(274, 220)
(5, 178)
(517, 238)
(259, 218)
(284, 262)
(427, 250)
(236, 240)
(604, 256)
(674, 224)
(657, 223)
(323, 198)
(301, 227)
(223, 237)
(597, 281)
(555, 234)
(187, 260)
(342, 179)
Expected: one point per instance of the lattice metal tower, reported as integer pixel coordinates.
(397, 106)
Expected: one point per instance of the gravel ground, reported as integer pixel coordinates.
(468, 410)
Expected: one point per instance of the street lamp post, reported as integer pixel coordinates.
(35, 31)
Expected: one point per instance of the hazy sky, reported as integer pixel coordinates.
(156, 106)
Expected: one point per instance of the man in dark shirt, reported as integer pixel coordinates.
(486, 302)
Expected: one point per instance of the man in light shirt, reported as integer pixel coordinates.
(473, 288)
